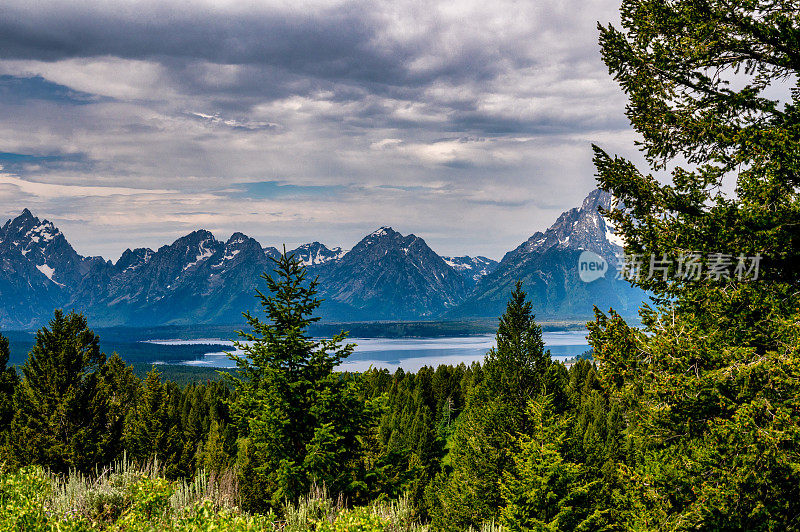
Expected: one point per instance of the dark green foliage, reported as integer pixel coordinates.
(515, 372)
(118, 391)
(543, 490)
(183, 374)
(8, 383)
(709, 388)
(299, 421)
(153, 428)
(65, 404)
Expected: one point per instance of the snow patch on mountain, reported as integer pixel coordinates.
(202, 254)
(316, 254)
(472, 267)
(611, 235)
(46, 270)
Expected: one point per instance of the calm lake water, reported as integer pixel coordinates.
(407, 353)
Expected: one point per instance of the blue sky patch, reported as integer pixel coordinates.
(25, 163)
(278, 189)
(17, 90)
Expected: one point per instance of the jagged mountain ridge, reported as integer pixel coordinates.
(547, 265)
(199, 279)
(386, 276)
(45, 246)
(390, 276)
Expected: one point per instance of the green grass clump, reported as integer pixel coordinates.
(128, 500)
(134, 499)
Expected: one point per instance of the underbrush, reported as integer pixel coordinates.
(130, 498)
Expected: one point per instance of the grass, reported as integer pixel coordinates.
(133, 498)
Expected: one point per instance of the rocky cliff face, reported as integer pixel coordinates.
(576, 229)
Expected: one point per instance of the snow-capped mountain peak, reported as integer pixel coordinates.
(382, 231)
(315, 254)
(43, 244)
(583, 228)
(27, 233)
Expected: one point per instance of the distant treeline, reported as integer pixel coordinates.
(130, 342)
(128, 346)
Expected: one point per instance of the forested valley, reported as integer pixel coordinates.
(289, 425)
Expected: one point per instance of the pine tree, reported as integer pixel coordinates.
(61, 408)
(543, 490)
(214, 458)
(710, 387)
(119, 387)
(8, 383)
(516, 371)
(152, 429)
(299, 422)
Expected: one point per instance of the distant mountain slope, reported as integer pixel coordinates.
(24, 289)
(388, 276)
(547, 264)
(42, 244)
(472, 268)
(196, 279)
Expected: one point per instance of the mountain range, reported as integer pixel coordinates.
(386, 276)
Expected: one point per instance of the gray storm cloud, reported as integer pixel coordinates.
(467, 123)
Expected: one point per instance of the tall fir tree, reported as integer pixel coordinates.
(543, 490)
(61, 406)
(8, 383)
(118, 389)
(516, 371)
(711, 385)
(299, 421)
(152, 428)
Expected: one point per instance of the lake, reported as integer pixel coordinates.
(408, 353)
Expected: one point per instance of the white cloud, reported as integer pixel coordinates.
(56, 191)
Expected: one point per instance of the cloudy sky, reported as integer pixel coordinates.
(465, 122)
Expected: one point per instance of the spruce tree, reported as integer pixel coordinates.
(8, 383)
(516, 371)
(711, 386)
(118, 389)
(543, 490)
(299, 421)
(152, 429)
(61, 408)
